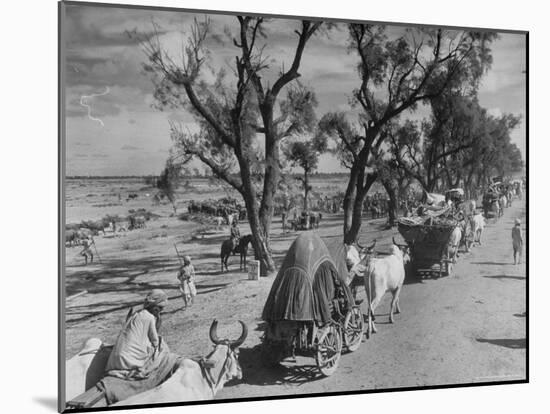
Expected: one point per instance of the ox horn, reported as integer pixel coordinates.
(238, 342)
(371, 247)
(397, 244)
(214, 332)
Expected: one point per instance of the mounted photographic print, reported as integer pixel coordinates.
(258, 206)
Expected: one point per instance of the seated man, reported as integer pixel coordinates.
(138, 342)
(138, 362)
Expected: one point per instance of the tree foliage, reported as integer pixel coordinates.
(397, 71)
(234, 111)
(168, 181)
(305, 155)
(460, 144)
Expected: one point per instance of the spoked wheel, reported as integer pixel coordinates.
(354, 326)
(329, 350)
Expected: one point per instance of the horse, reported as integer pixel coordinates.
(229, 247)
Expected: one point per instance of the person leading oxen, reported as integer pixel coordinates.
(356, 264)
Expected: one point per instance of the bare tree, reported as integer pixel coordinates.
(230, 114)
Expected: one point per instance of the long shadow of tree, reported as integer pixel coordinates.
(519, 343)
(503, 277)
(491, 263)
(88, 312)
(121, 276)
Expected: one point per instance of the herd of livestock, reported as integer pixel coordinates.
(76, 233)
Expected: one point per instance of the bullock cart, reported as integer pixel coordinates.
(310, 310)
(300, 223)
(491, 205)
(428, 243)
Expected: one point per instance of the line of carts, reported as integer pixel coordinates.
(310, 310)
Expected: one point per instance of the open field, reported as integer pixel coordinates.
(466, 328)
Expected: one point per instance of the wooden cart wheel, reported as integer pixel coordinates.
(354, 327)
(329, 350)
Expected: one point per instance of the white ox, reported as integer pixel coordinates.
(383, 275)
(469, 207)
(502, 204)
(477, 224)
(86, 368)
(454, 242)
(191, 381)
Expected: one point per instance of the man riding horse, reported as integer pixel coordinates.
(235, 235)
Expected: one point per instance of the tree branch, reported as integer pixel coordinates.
(308, 28)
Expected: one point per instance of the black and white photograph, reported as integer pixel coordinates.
(264, 206)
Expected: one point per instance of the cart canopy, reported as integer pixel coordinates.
(306, 284)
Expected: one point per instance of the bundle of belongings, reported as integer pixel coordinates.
(430, 215)
(139, 361)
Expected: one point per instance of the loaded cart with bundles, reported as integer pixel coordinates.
(310, 310)
(428, 239)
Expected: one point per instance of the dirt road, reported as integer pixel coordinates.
(462, 329)
(467, 328)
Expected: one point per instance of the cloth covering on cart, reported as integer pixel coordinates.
(307, 284)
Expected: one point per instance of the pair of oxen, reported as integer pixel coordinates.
(190, 380)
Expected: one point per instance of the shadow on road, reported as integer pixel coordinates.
(502, 277)
(507, 343)
(492, 263)
(86, 311)
(412, 279)
(254, 373)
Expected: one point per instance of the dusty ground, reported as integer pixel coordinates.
(467, 328)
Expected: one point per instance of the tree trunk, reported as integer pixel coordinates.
(349, 201)
(351, 235)
(306, 189)
(259, 242)
(430, 184)
(272, 171)
(259, 226)
(392, 207)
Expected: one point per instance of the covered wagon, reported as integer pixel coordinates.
(310, 310)
(428, 240)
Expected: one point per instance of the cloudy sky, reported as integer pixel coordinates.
(112, 128)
